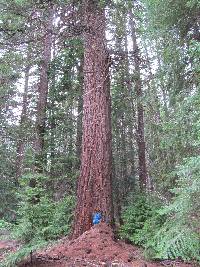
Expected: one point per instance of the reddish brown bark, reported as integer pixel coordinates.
(94, 185)
(80, 115)
(140, 110)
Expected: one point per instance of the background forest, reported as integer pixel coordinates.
(154, 57)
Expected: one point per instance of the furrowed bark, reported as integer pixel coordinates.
(79, 127)
(94, 185)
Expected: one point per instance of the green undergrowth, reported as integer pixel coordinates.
(169, 231)
(23, 252)
(40, 219)
(4, 225)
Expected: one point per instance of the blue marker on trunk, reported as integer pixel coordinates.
(97, 216)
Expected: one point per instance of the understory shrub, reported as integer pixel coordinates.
(40, 219)
(140, 219)
(170, 231)
(4, 225)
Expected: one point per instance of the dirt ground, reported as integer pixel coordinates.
(95, 248)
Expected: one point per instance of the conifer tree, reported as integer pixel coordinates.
(94, 184)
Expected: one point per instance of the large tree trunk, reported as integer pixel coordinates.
(94, 185)
(140, 110)
(42, 95)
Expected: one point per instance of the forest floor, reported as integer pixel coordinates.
(95, 248)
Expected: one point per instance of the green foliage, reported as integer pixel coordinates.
(46, 219)
(4, 225)
(194, 52)
(170, 231)
(20, 2)
(193, 3)
(173, 15)
(7, 196)
(174, 240)
(13, 258)
(186, 202)
(137, 217)
(42, 220)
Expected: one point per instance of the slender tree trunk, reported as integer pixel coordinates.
(94, 185)
(121, 112)
(153, 116)
(117, 202)
(140, 109)
(23, 120)
(123, 156)
(163, 88)
(42, 96)
(132, 115)
(52, 117)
